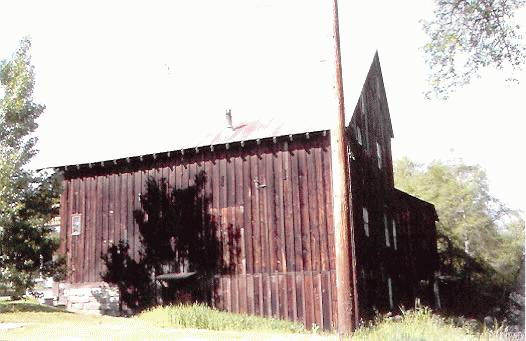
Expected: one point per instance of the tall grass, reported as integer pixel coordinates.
(421, 324)
(203, 317)
(418, 324)
(413, 325)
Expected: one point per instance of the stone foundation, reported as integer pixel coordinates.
(93, 298)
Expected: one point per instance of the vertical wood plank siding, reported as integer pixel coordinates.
(272, 204)
(414, 260)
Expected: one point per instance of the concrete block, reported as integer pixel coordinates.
(96, 299)
(80, 299)
(77, 306)
(92, 306)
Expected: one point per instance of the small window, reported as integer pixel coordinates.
(379, 154)
(359, 136)
(76, 220)
(387, 241)
(390, 289)
(365, 216)
(395, 244)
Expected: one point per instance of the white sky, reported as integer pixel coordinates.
(127, 78)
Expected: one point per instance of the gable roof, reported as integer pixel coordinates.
(375, 74)
(245, 132)
(256, 129)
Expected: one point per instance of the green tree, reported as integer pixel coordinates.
(467, 211)
(511, 255)
(27, 200)
(481, 242)
(18, 114)
(468, 35)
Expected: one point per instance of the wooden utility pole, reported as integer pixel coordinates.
(340, 189)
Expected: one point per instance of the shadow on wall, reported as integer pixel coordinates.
(180, 242)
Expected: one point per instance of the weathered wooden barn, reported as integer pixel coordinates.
(270, 199)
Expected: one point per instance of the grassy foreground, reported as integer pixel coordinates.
(202, 317)
(201, 323)
(422, 324)
(49, 323)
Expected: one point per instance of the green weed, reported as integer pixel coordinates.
(422, 324)
(203, 317)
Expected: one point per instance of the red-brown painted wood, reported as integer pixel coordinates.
(272, 206)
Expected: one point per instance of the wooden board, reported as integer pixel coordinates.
(268, 203)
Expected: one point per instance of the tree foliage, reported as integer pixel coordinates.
(468, 35)
(18, 114)
(27, 201)
(481, 242)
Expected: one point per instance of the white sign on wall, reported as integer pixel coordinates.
(76, 220)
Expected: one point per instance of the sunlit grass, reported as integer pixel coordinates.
(203, 317)
(199, 322)
(47, 323)
(421, 324)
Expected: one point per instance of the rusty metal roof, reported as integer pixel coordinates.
(256, 129)
(241, 132)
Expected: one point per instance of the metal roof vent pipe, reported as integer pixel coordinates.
(229, 119)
